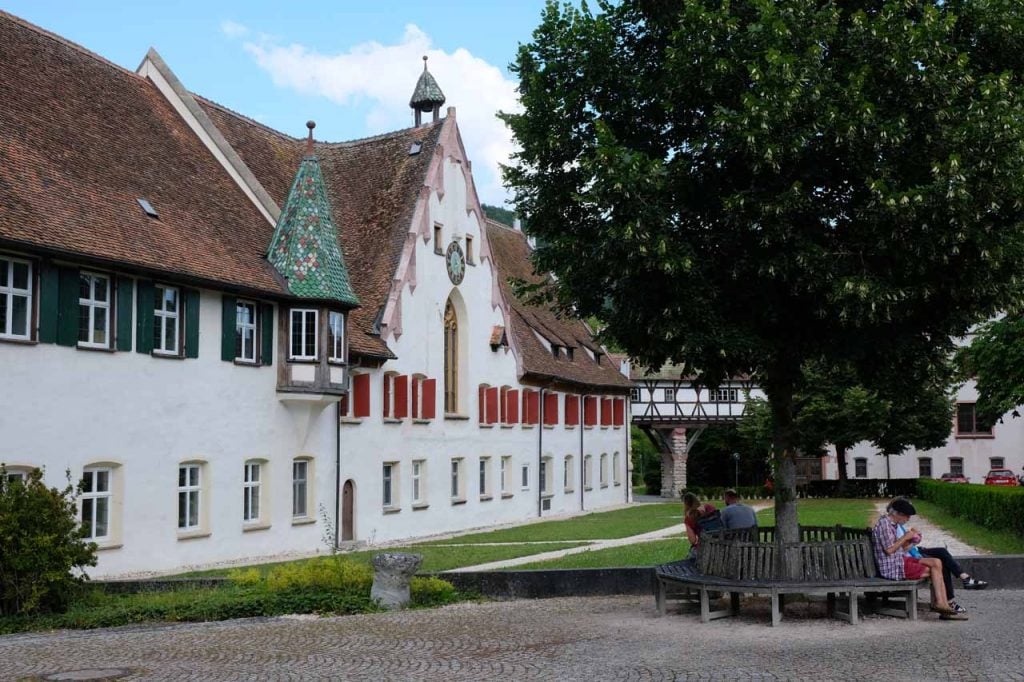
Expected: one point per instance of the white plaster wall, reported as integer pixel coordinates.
(1007, 442)
(64, 408)
(367, 445)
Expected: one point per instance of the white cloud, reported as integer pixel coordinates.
(232, 29)
(383, 76)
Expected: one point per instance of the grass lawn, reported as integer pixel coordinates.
(997, 542)
(639, 554)
(853, 513)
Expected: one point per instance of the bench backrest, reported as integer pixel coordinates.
(730, 554)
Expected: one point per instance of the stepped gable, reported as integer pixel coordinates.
(373, 185)
(83, 139)
(511, 254)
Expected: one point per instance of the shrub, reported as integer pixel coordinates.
(861, 487)
(432, 591)
(993, 507)
(43, 549)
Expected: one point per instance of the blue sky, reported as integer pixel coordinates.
(350, 66)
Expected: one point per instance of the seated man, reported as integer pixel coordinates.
(895, 563)
(736, 514)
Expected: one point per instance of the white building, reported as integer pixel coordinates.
(242, 341)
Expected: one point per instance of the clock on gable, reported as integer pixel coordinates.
(455, 260)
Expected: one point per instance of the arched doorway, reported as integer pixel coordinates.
(348, 497)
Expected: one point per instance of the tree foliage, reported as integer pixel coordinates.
(995, 358)
(746, 186)
(43, 551)
(500, 214)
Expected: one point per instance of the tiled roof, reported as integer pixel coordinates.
(511, 254)
(81, 140)
(305, 247)
(372, 184)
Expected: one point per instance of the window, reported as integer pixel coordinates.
(251, 492)
(438, 249)
(956, 466)
(860, 467)
(418, 471)
(458, 494)
(93, 310)
(19, 475)
(567, 474)
(634, 394)
(924, 467)
(336, 340)
(167, 305)
(604, 470)
(545, 476)
(968, 423)
(387, 497)
(485, 477)
(616, 475)
(189, 499)
(303, 334)
(470, 259)
(590, 410)
(588, 472)
(245, 331)
(15, 298)
(488, 404)
(669, 395)
(96, 503)
(506, 463)
(451, 359)
(390, 396)
(722, 395)
(996, 463)
(524, 477)
(300, 488)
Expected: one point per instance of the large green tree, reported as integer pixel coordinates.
(995, 358)
(745, 185)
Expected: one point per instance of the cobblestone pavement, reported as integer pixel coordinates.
(602, 638)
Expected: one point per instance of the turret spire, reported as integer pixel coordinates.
(427, 96)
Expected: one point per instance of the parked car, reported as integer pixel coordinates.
(1001, 477)
(954, 478)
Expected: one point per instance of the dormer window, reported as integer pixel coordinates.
(302, 334)
(555, 350)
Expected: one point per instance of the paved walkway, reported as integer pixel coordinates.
(933, 536)
(602, 638)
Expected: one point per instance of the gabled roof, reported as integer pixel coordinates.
(372, 184)
(511, 254)
(82, 140)
(305, 248)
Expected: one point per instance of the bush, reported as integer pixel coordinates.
(993, 507)
(861, 487)
(432, 592)
(42, 546)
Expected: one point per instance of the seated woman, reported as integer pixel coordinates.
(895, 563)
(693, 513)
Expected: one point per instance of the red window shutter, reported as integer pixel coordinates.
(492, 405)
(620, 411)
(361, 389)
(503, 405)
(606, 412)
(532, 406)
(401, 397)
(387, 395)
(482, 403)
(572, 410)
(416, 386)
(343, 405)
(551, 409)
(512, 400)
(589, 411)
(429, 397)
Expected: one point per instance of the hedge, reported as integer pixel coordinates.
(857, 487)
(993, 507)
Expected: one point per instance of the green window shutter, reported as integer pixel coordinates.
(49, 297)
(124, 313)
(191, 323)
(67, 307)
(144, 301)
(267, 328)
(229, 321)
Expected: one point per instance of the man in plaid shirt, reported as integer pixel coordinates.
(894, 563)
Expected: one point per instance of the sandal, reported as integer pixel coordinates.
(945, 610)
(973, 583)
(953, 616)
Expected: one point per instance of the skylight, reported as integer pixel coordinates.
(148, 208)
(414, 148)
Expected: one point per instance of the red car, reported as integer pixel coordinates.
(954, 478)
(1001, 477)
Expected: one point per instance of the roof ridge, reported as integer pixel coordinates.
(381, 136)
(247, 119)
(498, 223)
(68, 43)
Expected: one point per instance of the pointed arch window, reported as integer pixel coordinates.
(451, 359)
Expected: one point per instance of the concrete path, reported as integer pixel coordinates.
(933, 536)
(587, 639)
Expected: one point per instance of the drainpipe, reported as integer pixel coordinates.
(540, 453)
(337, 475)
(627, 411)
(583, 419)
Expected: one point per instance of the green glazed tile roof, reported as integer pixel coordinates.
(305, 247)
(427, 92)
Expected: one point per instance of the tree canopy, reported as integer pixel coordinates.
(745, 186)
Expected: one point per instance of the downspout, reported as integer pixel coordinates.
(583, 420)
(540, 454)
(337, 475)
(627, 411)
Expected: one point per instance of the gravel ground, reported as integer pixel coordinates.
(605, 638)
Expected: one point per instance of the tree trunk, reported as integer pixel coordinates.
(780, 386)
(841, 463)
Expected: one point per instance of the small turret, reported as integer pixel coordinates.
(427, 96)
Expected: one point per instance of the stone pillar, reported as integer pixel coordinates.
(673, 464)
(391, 574)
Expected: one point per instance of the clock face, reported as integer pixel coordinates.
(456, 262)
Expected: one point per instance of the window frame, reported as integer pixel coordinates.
(336, 342)
(975, 431)
(93, 496)
(450, 330)
(544, 481)
(602, 470)
(505, 465)
(419, 468)
(457, 478)
(388, 481)
(921, 462)
(484, 478)
(241, 327)
(616, 475)
(304, 481)
(992, 462)
(568, 474)
(860, 463)
(668, 395)
(92, 304)
(524, 477)
(9, 292)
(956, 466)
(588, 472)
(634, 395)
(252, 492)
(160, 318)
(187, 489)
(470, 259)
(304, 331)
